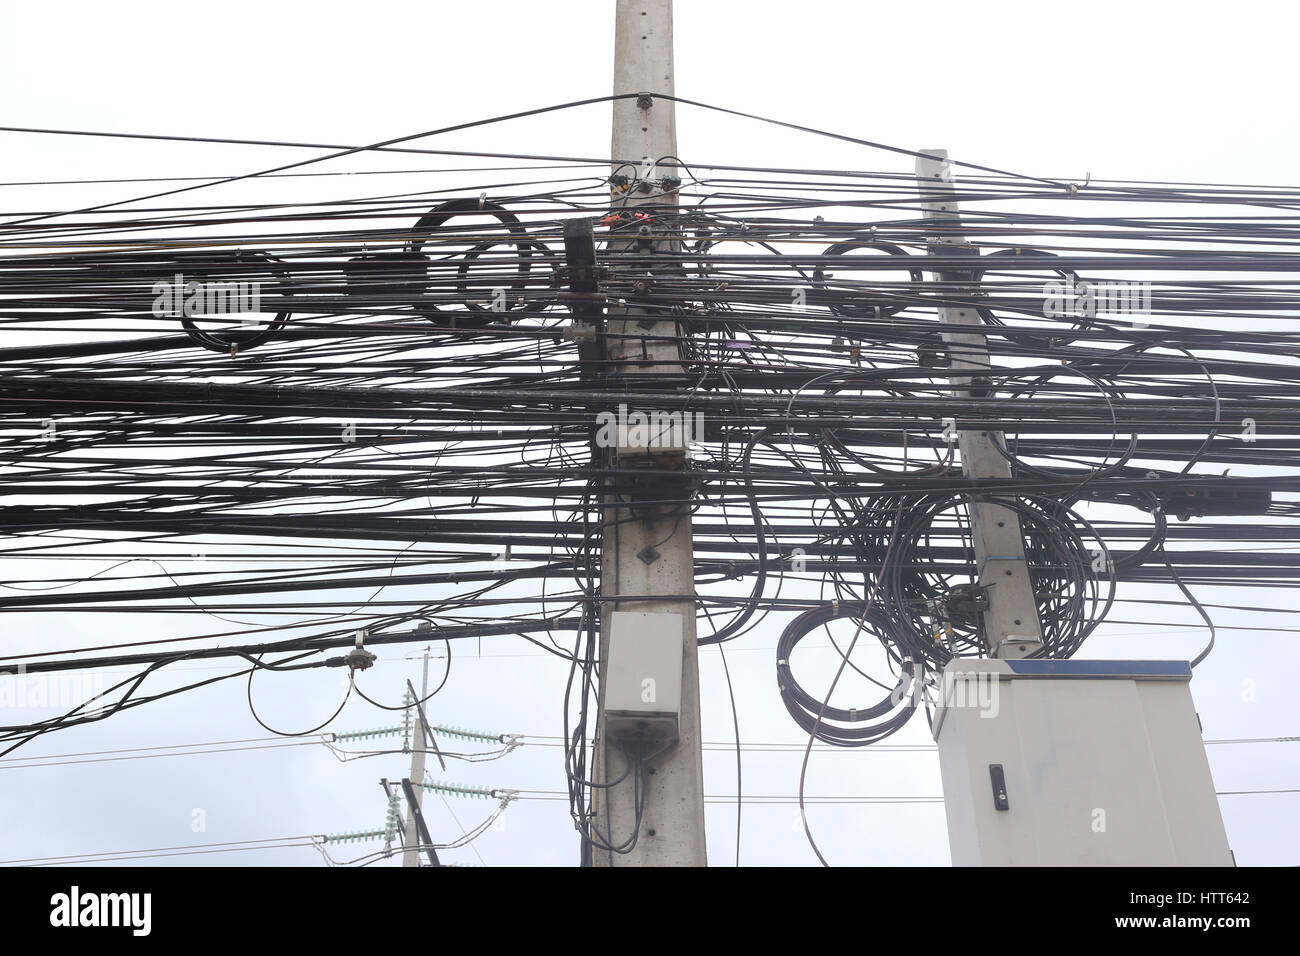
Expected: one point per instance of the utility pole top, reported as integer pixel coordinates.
(644, 131)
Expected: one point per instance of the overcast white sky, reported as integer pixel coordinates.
(1186, 92)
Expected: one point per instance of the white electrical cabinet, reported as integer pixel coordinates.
(1075, 763)
(643, 676)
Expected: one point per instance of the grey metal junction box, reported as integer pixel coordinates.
(643, 676)
(1075, 763)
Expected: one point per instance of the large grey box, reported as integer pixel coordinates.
(1075, 763)
(643, 676)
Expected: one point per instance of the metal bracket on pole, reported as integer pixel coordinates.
(1011, 625)
(424, 726)
(423, 831)
(583, 298)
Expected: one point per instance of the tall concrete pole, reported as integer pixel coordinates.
(411, 855)
(1011, 626)
(671, 831)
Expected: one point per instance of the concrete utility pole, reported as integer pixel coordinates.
(1011, 626)
(411, 856)
(647, 552)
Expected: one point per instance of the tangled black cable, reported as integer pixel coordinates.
(865, 725)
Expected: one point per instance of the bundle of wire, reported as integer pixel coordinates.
(407, 408)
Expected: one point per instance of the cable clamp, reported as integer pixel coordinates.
(359, 658)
